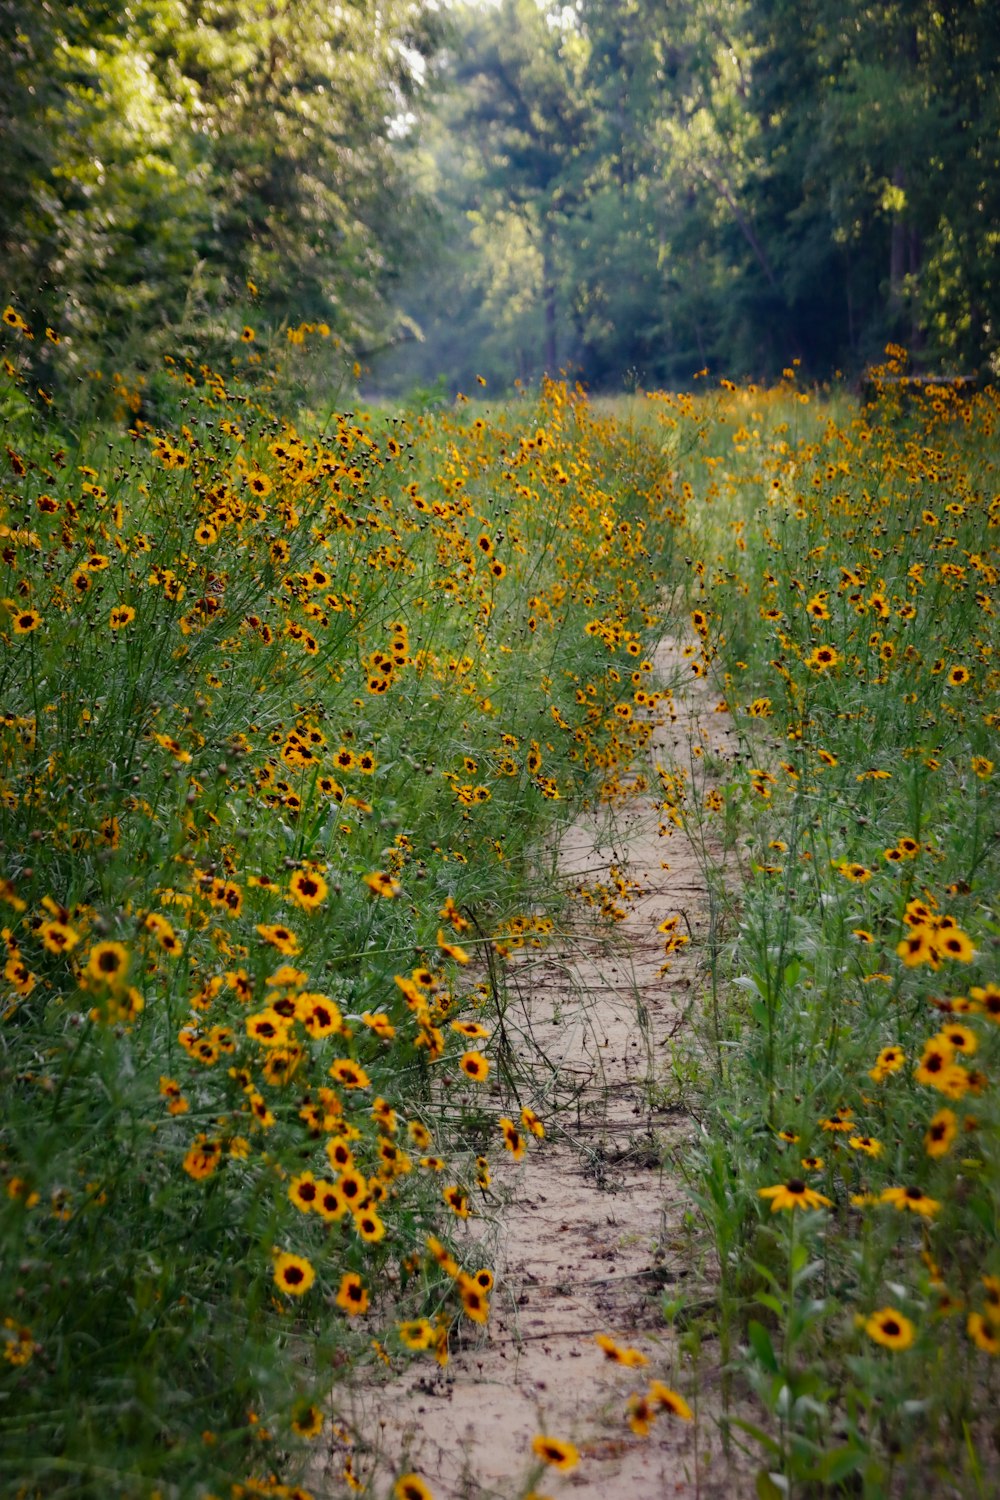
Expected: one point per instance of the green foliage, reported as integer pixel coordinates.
(843, 595)
(288, 709)
(727, 183)
(169, 154)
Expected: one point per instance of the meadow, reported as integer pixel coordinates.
(845, 596)
(286, 715)
(291, 705)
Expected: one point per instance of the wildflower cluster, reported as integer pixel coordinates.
(283, 715)
(846, 582)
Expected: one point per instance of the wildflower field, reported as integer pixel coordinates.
(292, 707)
(845, 595)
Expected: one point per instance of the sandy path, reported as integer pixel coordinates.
(594, 1231)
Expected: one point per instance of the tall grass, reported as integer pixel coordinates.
(845, 591)
(287, 710)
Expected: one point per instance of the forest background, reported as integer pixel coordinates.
(629, 190)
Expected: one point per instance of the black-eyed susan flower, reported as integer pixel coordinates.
(891, 1329)
(937, 1056)
(25, 621)
(641, 1415)
(352, 1295)
(279, 937)
(307, 1421)
(349, 1074)
(107, 963)
(475, 1066)
(889, 1060)
(121, 615)
(308, 889)
(619, 1354)
(416, 1334)
(452, 950)
(941, 1131)
(982, 1335)
(667, 1400)
(475, 1301)
(203, 1158)
(411, 1487)
(471, 1029)
(822, 659)
(555, 1452)
(911, 1198)
(961, 1038)
(319, 1015)
(441, 1255)
(381, 884)
(793, 1194)
(267, 1027)
(987, 999)
(512, 1138)
(954, 944)
(919, 946)
(380, 1024)
(369, 1226)
(331, 1205)
(57, 937)
(303, 1190)
(293, 1273)
(258, 484)
(457, 1200)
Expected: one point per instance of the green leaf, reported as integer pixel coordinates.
(758, 1434)
(760, 1343)
(838, 1463)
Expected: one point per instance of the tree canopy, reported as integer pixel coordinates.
(627, 190)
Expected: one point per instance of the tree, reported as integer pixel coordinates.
(173, 150)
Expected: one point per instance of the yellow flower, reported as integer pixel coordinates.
(307, 889)
(475, 1066)
(890, 1328)
(662, 1396)
(556, 1453)
(941, 1132)
(632, 1359)
(353, 1295)
(793, 1194)
(107, 963)
(411, 1487)
(308, 1422)
(889, 1060)
(293, 1273)
(912, 1198)
(417, 1334)
(982, 1335)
